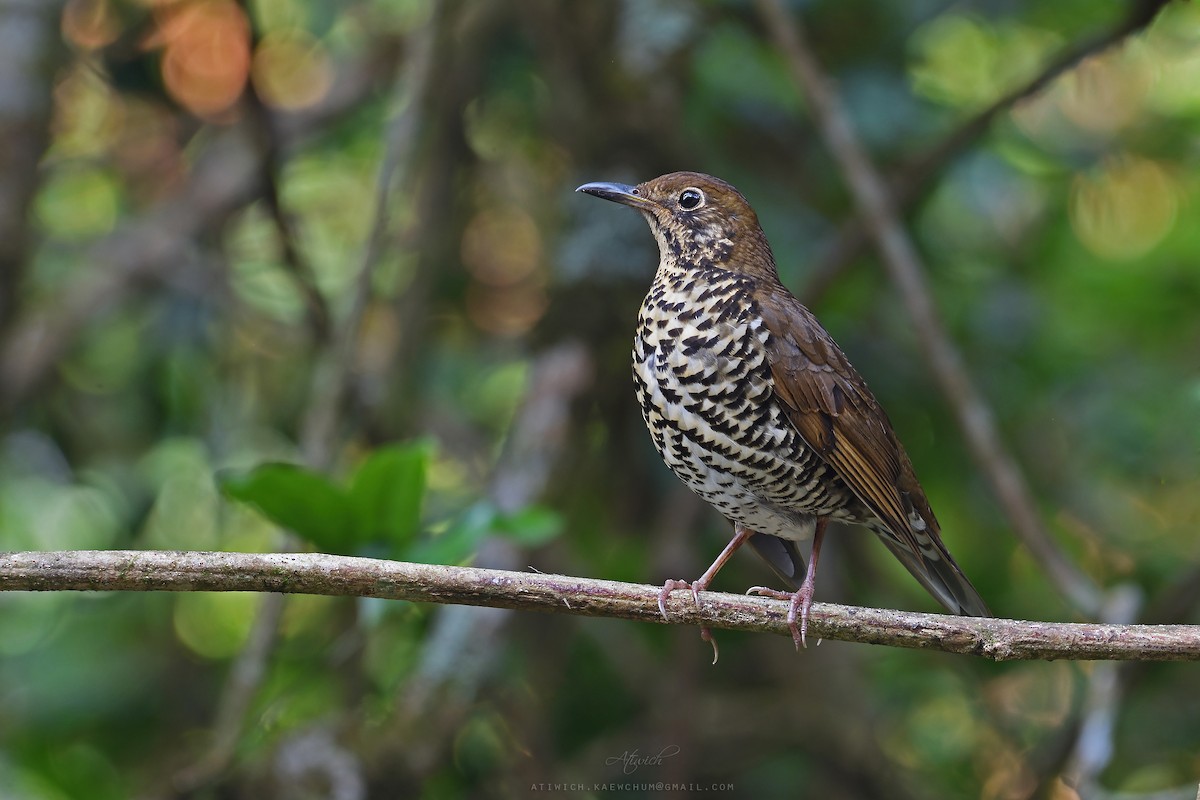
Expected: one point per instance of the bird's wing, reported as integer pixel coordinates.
(832, 408)
(835, 413)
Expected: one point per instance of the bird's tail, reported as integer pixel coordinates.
(782, 556)
(933, 566)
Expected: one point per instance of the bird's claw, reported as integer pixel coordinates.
(707, 636)
(799, 604)
(671, 586)
(802, 602)
(696, 588)
(763, 591)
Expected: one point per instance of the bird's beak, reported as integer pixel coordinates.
(617, 192)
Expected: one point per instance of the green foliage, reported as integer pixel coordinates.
(531, 526)
(298, 499)
(378, 511)
(380, 506)
(385, 494)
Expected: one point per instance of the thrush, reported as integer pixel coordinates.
(753, 405)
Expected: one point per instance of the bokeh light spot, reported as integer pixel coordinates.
(78, 203)
(1106, 93)
(89, 24)
(292, 70)
(215, 624)
(963, 61)
(501, 247)
(88, 115)
(207, 57)
(1124, 210)
(506, 311)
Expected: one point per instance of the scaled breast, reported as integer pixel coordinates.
(704, 385)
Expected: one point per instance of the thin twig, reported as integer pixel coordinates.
(334, 376)
(30, 62)
(1095, 744)
(293, 260)
(345, 576)
(271, 162)
(911, 179)
(907, 272)
(457, 655)
(156, 246)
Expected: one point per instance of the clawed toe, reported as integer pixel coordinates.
(707, 636)
(763, 591)
(800, 605)
(696, 588)
(799, 602)
(671, 586)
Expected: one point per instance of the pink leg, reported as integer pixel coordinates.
(740, 535)
(801, 600)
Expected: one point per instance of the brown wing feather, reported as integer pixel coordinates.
(833, 410)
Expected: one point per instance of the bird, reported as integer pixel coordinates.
(753, 405)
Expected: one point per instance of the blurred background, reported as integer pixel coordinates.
(342, 236)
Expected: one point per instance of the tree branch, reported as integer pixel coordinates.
(30, 59)
(909, 181)
(904, 266)
(335, 373)
(156, 245)
(457, 655)
(316, 573)
(331, 381)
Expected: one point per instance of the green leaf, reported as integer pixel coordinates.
(298, 499)
(531, 526)
(386, 492)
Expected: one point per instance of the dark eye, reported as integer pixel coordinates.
(690, 199)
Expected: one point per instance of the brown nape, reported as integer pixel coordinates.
(754, 406)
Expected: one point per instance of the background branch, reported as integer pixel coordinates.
(458, 654)
(904, 265)
(332, 378)
(908, 183)
(335, 373)
(317, 573)
(158, 244)
(271, 162)
(29, 58)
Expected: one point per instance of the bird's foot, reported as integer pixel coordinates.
(671, 586)
(696, 588)
(799, 604)
(801, 601)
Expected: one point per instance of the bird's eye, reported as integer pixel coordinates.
(690, 199)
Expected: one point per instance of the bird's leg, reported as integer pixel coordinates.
(801, 599)
(740, 536)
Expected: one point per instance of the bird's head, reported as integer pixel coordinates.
(697, 219)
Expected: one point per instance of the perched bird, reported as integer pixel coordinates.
(753, 405)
